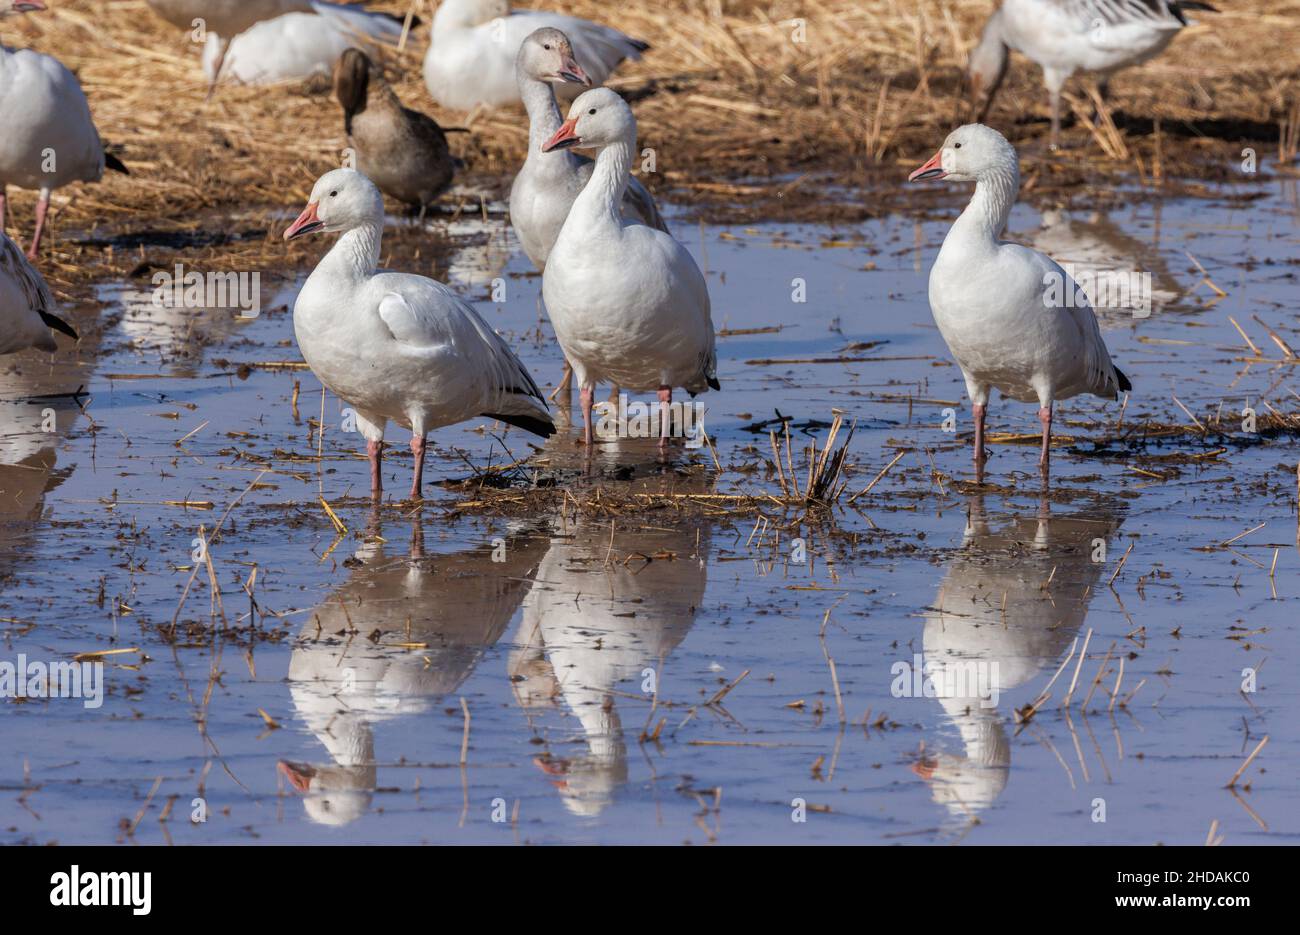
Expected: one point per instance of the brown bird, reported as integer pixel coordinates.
(401, 150)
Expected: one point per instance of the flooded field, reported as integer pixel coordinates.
(325, 671)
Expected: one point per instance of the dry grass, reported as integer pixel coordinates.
(745, 120)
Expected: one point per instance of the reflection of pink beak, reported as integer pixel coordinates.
(28, 6)
(308, 223)
(564, 137)
(931, 170)
(572, 72)
(923, 767)
(299, 775)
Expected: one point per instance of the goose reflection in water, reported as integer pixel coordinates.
(600, 613)
(997, 620)
(398, 636)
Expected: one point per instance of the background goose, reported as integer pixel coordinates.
(223, 20)
(296, 46)
(474, 43)
(26, 306)
(47, 136)
(628, 303)
(547, 184)
(1011, 316)
(401, 150)
(395, 345)
(1065, 36)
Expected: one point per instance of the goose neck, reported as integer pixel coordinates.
(603, 196)
(543, 110)
(995, 193)
(356, 255)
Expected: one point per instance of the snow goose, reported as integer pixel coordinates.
(1065, 36)
(548, 182)
(627, 301)
(1011, 316)
(546, 185)
(296, 46)
(49, 138)
(395, 345)
(474, 43)
(401, 150)
(222, 20)
(26, 318)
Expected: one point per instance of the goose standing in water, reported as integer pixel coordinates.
(47, 138)
(1011, 316)
(401, 150)
(395, 345)
(547, 184)
(628, 303)
(474, 43)
(26, 306)
(1065, 36)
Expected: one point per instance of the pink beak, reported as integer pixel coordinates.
(572, 72)
(307, 223)
(564, 137)
(299, 775)
(931, 170)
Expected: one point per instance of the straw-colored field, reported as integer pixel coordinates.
(750, 106)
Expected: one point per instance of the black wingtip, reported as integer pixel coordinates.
(112, 162)
(639, 45)
(714, 384)
(58, 324)
(543, 427)
(1124, 383)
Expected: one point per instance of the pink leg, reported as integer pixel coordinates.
(665, 415)
(417, 447)
(375, 452)
(979, 411)
(1045, 417)
(42, 207)
(588, 437)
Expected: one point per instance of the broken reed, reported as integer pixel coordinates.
(821, 483)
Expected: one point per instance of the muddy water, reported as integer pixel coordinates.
(673, 679)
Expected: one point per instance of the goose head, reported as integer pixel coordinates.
(351, 80)
(547, 55)
(341, 200)
(598, 118)
(465, 14)
(970, 153)
(20, 6)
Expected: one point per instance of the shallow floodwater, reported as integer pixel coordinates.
(680, 676)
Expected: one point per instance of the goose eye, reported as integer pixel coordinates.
(956, 146)
(547, 47)
(592, 111)
(334, 194)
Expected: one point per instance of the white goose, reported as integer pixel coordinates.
(296, 46)
(1065, 36)
(627, 301)
(471, 57)
(1011, 316)
(48, 138)
(25, 304)
(224, 20)
(547, 183)
(395, 345)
